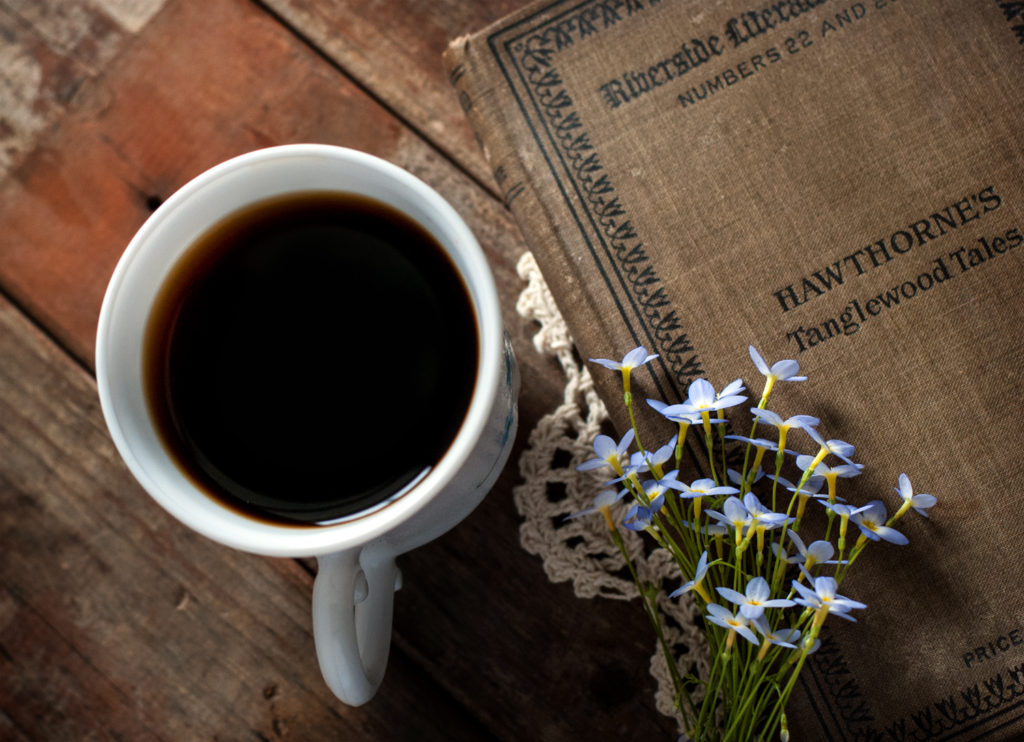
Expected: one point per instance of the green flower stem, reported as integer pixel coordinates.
(672, 501)
(780, 456)
(748, 476)
(765, 733)
(711, 693)
(683, 427)
(785, 528)
(651, 609)
(749, 695)
(806, 643)
(899, 513)
(627, 399)
(667, 541)
(842, 569)
(780, 705)
(721, 442)
(831, 515)
(753, 428)
(749, 685)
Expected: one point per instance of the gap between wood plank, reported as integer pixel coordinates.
(410, 125)
(85, 364)
(471, 721)
(81, 363)
(413, 659)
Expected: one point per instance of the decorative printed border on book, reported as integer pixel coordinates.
(627, 269)
(975, 709)
(531, 45)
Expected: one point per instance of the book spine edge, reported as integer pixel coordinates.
(469, 66)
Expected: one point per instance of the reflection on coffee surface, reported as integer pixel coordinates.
(310, 357)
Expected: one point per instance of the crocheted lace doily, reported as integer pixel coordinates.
(580, 550)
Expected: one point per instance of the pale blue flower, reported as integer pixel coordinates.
(718, 614)
(655, 489)
(841, 509)
(753, 478)
(732, 389)
(842, 471)
(662, 455)
(762, 516)
(804, 422)
(810, 488)
(779, 371)
(644, 461)
(701, 397)
(824, 596)
(819, 552)
(704, 488)
(696, 583)
(637, 463)
(708, 529)
(787, 637)
(761, 447)
(838, 448)
(609, 453)
(755, 598)
(656, 404)
(735, 515)
(638, 517)
(633, 359)
(919, 502)
(677, 413)
(871, 521)
(764, 443)
(604, 499)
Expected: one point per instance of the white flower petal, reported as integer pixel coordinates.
(905, 490)
(731, 595)
(785, 370)
(758, 361)
(758, 589)
(822, 551)
(719, 611)
(635, 357)
(747, 634)
(700, 394)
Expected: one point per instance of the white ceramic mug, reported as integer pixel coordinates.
(353, 593)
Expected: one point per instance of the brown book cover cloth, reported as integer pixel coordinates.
(835, 182)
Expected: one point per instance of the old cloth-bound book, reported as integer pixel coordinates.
(836, 182)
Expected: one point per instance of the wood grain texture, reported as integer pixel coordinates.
(200, 84)
(47, 52)
(118, 621)
(394, 48)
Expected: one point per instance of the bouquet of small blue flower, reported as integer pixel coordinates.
(764, 586)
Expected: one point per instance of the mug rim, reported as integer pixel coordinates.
(232, 527)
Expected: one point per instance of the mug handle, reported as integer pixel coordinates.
(353, 599)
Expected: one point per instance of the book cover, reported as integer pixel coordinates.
(831, 181)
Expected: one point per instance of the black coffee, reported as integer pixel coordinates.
(310, 357)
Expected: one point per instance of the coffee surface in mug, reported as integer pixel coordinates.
(310, 357)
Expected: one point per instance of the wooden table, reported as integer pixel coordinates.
(118, 623)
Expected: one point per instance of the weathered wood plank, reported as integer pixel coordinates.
(530, 658)
(201, 83)
(394, 49)
(48, 49)
(117, 623)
